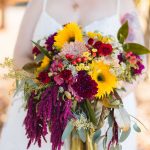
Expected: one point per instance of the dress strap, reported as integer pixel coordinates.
(44, 4)
(118, 8)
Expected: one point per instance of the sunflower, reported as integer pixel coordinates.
(106, 81)
(70, 33)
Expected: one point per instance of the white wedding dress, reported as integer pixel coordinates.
(13, 135)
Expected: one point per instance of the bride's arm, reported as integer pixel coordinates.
(23, 47)
(128, 13)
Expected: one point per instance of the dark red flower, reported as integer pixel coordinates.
(90, 41)
(43, 77)
(105, 49)
(97, 45)
(84, 86)
(66, 74)
(138, 70)
(64, 77)
(121, 58)
(35, 51)
(50, 41)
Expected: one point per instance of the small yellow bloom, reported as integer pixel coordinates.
(86, 54)
(106, 40)
(94, 50)
(94, 35)
(86, 68)
(82, 66)
(78, 68)
(67, 94)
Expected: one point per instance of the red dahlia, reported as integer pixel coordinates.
(105, 49)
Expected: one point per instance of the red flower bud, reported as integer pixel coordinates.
(84, 59)
(78, 59)
(74, 62)
(67, 56)
(71, 56)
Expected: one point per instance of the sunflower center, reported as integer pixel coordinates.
(71, 39)
(100, 77)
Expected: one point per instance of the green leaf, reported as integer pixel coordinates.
(19, 87)
(104, 143)
(67, 131)
(39, 58)
(97, 136)
(136, 128)
(42, 49)
(110, 120)
(109, 135)
(136, 48)
(90, 112)
(123, 32)
(117, 147)
(30, 67)
(124, 135)
(82, 134)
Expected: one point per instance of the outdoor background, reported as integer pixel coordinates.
(11, 13)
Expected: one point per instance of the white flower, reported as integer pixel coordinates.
(73, 69)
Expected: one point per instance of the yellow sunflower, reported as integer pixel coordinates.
(106, 81)
(70, 32)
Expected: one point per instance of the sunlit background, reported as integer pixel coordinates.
(11, 13)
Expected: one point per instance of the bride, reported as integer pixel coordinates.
(44, 17)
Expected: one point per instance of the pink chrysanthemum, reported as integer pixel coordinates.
(73, 48)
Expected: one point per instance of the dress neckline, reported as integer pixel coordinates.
(85, 26)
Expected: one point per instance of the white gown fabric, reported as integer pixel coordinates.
(13, 135)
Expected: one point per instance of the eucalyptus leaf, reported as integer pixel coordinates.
(109, 136)
(122, 118)
(97, 136)
(136, 128)
(123, 32)
(42, 49)
(124, 135)
(136, 48)
(104, 143)
(67, 131)
(82, 135)
(30, 67)
(118, 147)
(39, 58)
(110, 120)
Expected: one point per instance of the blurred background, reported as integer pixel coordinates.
(11, 13)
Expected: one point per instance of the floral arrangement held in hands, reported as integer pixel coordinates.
(72, 87)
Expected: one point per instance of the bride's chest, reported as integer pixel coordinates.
(83, 13)
(58, 14)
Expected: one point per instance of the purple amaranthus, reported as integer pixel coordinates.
(51, 110)
(34, 125)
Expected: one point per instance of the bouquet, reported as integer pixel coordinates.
(72, 88)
